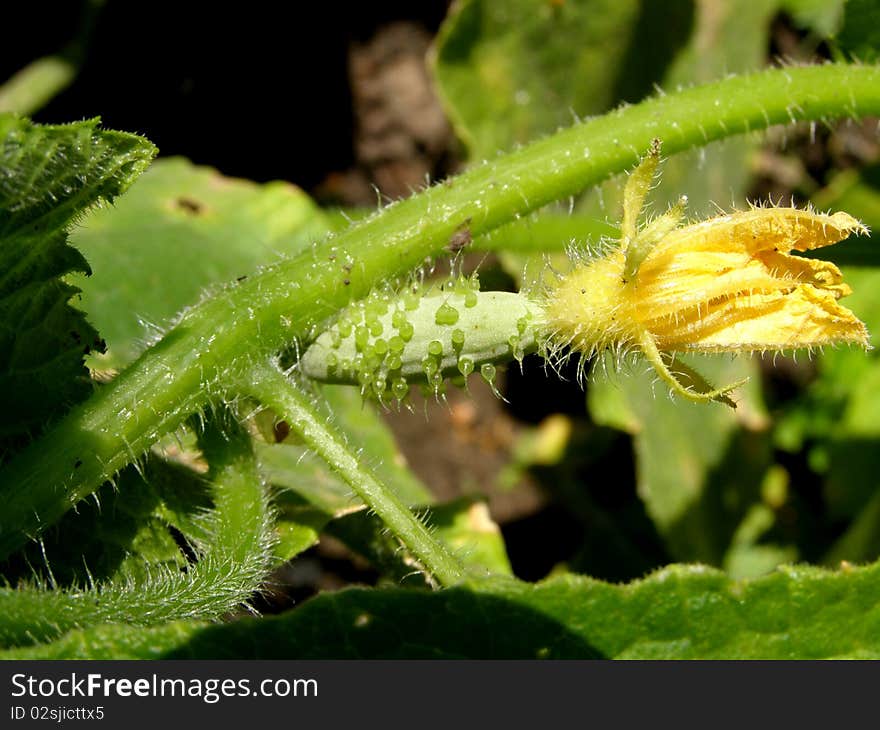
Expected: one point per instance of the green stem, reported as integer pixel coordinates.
(233, 562)
(271, 388)
(31, 88)
(549, 230)
(34, 86)
(215, 342)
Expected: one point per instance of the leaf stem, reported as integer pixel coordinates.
(269, 386)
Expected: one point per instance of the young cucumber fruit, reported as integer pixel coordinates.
(384, 343)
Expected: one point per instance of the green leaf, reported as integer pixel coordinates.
(697, 465)
(680, 612)
(509, 72)
(298, 525)
(187, 229)
(860, 35)
(823, 17)
(112, 640)
(115, 557)
(717, 175)
(229, 555)
(466, 526)
(50, 175)
(181, 230)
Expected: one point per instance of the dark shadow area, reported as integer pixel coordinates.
(596, 522)
(849, 496)
(661, 31)
(704, 532)
(594, 485)
(540, 541)
(535, 390)
(394, 624)
(262, 94)
(805, 519)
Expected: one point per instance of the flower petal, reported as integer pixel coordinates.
(761, 229)
(821, 274)
(744, 252)
(803, 317)
(674, 283)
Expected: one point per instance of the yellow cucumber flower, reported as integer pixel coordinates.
(726, 284)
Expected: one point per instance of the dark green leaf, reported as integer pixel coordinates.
(681, 612)
(49, 176)
(860, 35)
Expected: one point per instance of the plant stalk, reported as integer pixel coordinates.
(269, 386)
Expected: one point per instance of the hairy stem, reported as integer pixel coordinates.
(216, 341)
(232, 563)
(270, 387)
